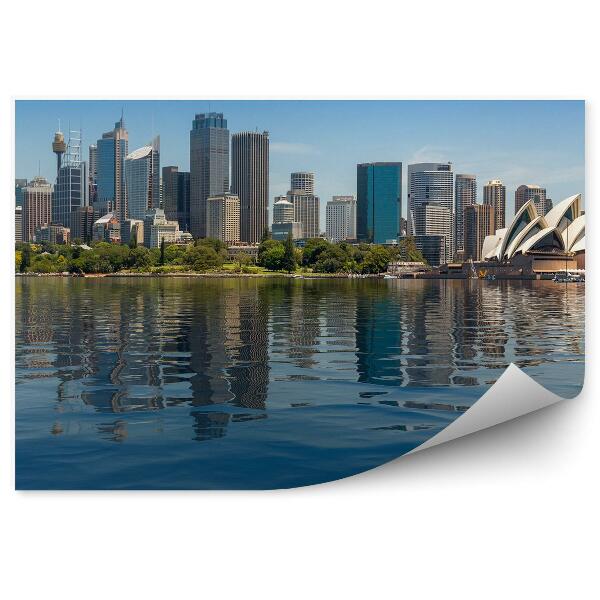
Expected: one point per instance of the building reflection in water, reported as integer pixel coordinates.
(126, 345)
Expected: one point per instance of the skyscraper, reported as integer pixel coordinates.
(209, 165)
(432, 184)
(465, 194)
(341, 218)
(250, 182)
(176, 196)
(20, 184)
(524, 193)
(303, 181)
(82, 223)
(142, 174)
(432, 219)
(112, 148)
(479, 221)
(494, 194)
(92, 172)
(378, 202)
(307, 212)
(37, 207)
(70, 191)
(223, 218)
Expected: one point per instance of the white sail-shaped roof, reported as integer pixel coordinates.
(574, 232)
(534, 227)
(540, 240)
(560, 216)
(524, 216)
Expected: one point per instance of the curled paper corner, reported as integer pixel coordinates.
(513, 395)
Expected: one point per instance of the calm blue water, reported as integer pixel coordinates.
(265, 383)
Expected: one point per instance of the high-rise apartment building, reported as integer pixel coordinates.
(307, 212)
(250, 182)
(37, 207)
(223, 218)
(111, 149)
(176, 196)
(71, 188)
(302, 181)
(209, 165)
(432, 219)
(479, 221)
(142, 175)
(378, 202)
(465, 194)
(18, 224)
(494, 194)
(525, 193)
(341, 218)
(283, 210)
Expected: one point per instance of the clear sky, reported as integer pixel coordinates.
(540, 142)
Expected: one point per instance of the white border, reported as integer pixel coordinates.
(508, 513)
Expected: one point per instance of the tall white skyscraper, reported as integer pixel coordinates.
(341, 218)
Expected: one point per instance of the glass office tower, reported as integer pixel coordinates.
(142, 179)
(379, 208)
(111, 151)
(209, 166)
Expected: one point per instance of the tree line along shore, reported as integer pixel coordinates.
(211, 256)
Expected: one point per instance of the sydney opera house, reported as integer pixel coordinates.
(538, 244)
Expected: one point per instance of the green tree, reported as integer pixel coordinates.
(25, 258)
(264, 247)
(332, 260)
(140, 258)
(202, 258)
(162, 252)
(313, 249)
(242, 260)
(376, 260)
(289, 256)
(133, 239)
(408, 251)
(272, 258)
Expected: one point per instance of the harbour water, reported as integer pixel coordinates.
(195, 383)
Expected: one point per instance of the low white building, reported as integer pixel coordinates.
(157, 228)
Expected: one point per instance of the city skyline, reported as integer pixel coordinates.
(519, 142)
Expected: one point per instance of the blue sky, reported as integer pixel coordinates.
(539, 142)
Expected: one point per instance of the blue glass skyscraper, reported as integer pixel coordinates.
(111, 151)
(378, 202)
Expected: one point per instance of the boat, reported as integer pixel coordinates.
(575, 276)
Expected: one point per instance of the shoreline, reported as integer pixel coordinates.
(275, 275)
